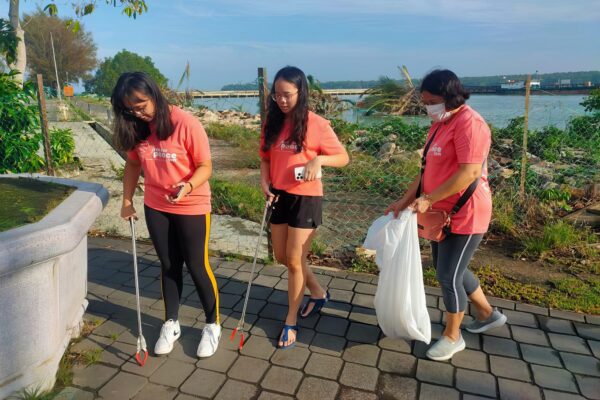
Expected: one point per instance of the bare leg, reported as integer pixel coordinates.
(453, 321)
(484, 309)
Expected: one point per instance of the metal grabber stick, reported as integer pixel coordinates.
(141, 342)
(240, 325)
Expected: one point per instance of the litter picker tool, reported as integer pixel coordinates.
(141, 342)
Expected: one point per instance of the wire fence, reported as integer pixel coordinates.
(385, 158)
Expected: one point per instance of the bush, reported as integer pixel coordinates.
(555, 236)
(238, 199)
(247, 140)
(62, 146)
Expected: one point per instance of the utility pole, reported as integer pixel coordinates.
(55, 70)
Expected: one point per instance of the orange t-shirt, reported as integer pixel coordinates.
(283, 158)
(173, 160)
(463, 139)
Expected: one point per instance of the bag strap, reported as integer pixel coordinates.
(465, 196)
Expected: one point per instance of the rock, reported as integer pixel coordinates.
(533, 159)
(589, 216)
(550, 186)
(545, 174)
(592, 190)
(594, 209)
(392, 138)
(506, 142)
(386, 151)
(360, 132)
(504, 161)
(506, 173)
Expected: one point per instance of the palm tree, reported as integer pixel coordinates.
(393, 97)
(323, 103)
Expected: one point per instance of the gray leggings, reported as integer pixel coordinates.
(451, 257)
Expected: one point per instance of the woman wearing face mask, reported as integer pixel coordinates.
(171, 147)
(295, 137)
(456, 157)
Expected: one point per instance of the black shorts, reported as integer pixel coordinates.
(297, 211)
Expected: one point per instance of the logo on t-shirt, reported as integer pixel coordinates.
(436, 150)
(163, 154)
(291, 147)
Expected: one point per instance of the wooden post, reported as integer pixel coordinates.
(525, 131)
(44, 123)
(263, 93)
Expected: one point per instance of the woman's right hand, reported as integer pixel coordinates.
(396, 207)
(127, 210)
(266, 188)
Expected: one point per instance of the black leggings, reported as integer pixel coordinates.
(178, 239)
(451, 257)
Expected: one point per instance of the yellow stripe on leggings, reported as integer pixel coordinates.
(209, 269)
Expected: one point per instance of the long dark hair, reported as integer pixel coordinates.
(128, 129)
(445, 83)
(299, 115)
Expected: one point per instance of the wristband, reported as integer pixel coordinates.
(191, 186)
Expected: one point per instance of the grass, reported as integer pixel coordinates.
(237, 198)
(32, 394)
(365, 264)
(555, 236)
(317, 247)
(26, 201)
(245, 139)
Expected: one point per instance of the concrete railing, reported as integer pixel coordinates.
(43, 285)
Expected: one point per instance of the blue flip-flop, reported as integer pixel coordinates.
(318, 305)
(284, 336)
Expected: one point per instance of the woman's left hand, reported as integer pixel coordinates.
(180, 190)
(312, 169)
(421, 204)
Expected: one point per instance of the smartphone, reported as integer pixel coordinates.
(177, 192)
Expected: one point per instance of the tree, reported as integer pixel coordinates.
(131, 8)
(124, 61)
(75, 51)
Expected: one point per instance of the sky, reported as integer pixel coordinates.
(225, 41)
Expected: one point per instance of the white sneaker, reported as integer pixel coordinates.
(211, 334)
(444, 348)
(169, 333)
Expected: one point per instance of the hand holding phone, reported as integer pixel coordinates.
(175, 196)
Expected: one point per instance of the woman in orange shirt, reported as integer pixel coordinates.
(171, 147)
(294, 137)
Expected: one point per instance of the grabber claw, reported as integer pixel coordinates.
(141, 349)
(233, 334)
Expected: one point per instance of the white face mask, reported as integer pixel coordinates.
(437, 112)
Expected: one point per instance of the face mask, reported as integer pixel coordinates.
(437, 112)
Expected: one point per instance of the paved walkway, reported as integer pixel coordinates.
(341, 354)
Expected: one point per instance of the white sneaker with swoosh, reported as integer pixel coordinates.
(169, 333)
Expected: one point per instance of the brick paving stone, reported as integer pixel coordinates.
(254, 306)
(247, 267)
(233, 287)
(221, 361)
(278, 297)
(234, 318)
(520, 318)
(231, 264)
(400, 345)
(398, 387)
(540, 355)
(573, 344)
(283, 380)
(224, 272)
(500, 346)
(365, 288)
(530, 308)
(274, 311)
(261, 292)
(471, 359)
(363, 333)
(435, 291)
(117, 353)
(229, 300)
(467, 396)
(185, 350)
(514, 390)
(273, 270)
(556, 325)
(553, 378)
(295, 357)
(259, 347)
(341, 295)
(588, 331)
(595, 346)
(472, 340)
(502, 303)
(358, 277)
(435, 315)
(420, 348)
(581, 364)
(235, 390)
(358, 353)
(151, 366)
(530, 336)
(71, 393)
(248, 369)
(323, 366)
(316, 388)
(328, 344)
(363, 300)
(503, 331)
(592, 319)
(435, 372)
(156, 392)
(282, 285)
(266, 281)
(272, 396)
(266, 327)
(359, 376)
(573, 316)
(110, 328)
(203, 383)
(552, 395)
(336, 309)
(363, 315)
(122, 386)
(476, 382)
(94, 376)
(92, 342)
(353, 394)
(172, 373)
(332, 325)
(590, 387)
(509, 368)
(397, 363)
(434, 392)
(431, 301)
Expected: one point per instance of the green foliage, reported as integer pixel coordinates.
(317, 247)
(8, 41)
(575, 294)
(592, 102)
(247, 140)
(19, 127)
(393, 97)
(32, 394)
(237, 198)
(91, 356)
(62, 146)
(112, 67)
(362, 263)
(555, 236)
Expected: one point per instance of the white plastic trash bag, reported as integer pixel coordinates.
(400, 298)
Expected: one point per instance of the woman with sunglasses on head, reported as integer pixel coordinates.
(172, 149)
(455, 157)
(294, 137)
